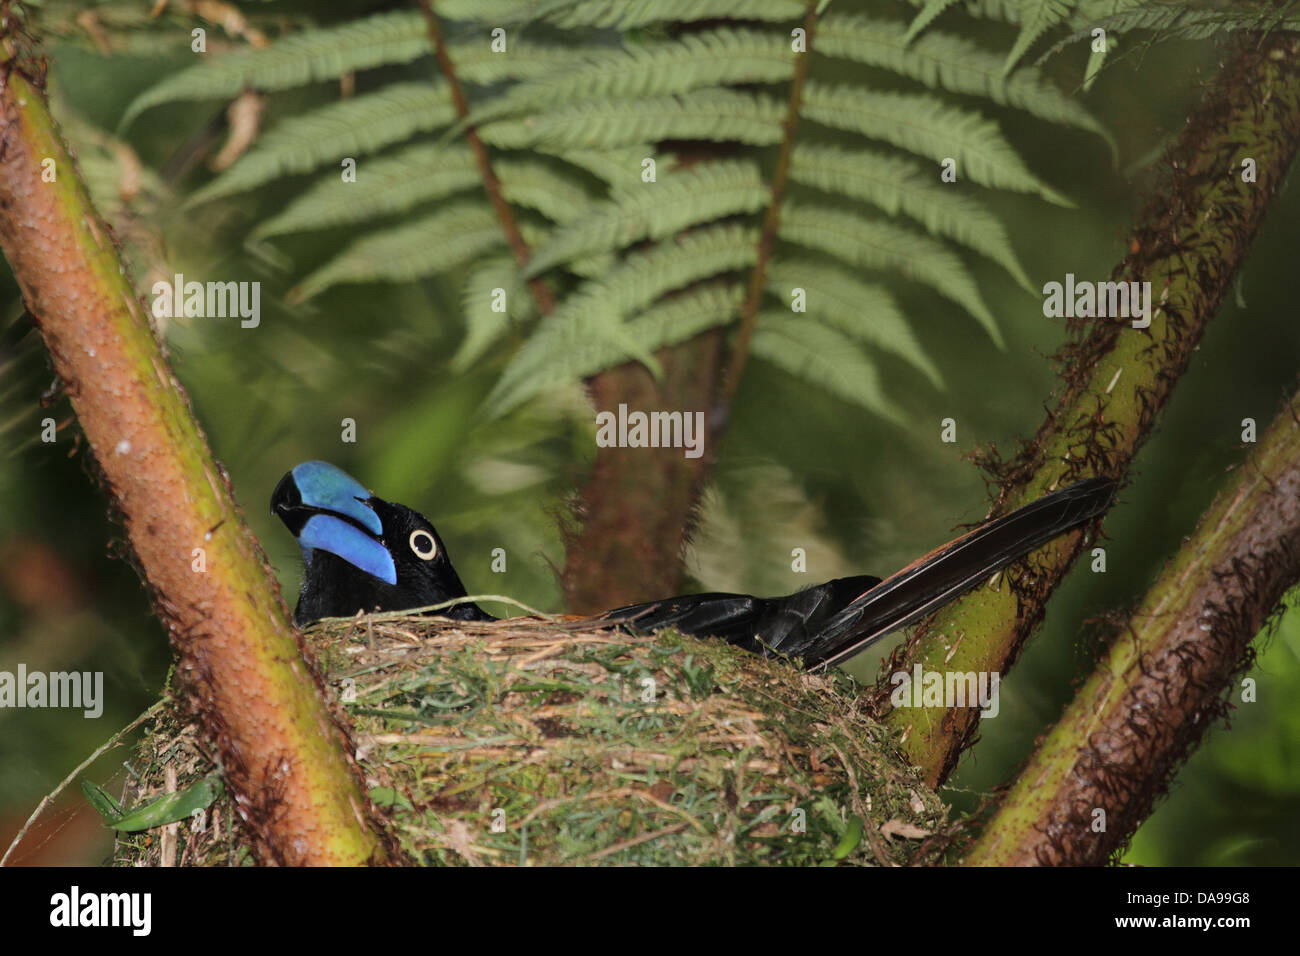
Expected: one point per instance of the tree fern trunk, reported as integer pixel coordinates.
(635, 511)
(251, 680)
(1163, 681)
(1189, 245)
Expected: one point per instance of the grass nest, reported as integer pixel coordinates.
(531, 743)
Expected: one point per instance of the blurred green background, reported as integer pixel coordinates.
(799, 467)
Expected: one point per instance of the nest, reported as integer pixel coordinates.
(530, 743)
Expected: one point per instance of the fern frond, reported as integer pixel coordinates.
(873, 244)
(642, 278)
(678, 200)
(447, 239)
(619, 14)
(749, 513)
(925, 17)
(118, 29)
(1037, 17)
(868, 313)
(619, 168)
(536, 185)
(477, 62)
(352, 127)
(483, 326)
(537, 234)
(717, 115)
(1005, 11)
(614, 293)
(720, 57)
(929, 127)
(385, 185)
(817, 353)
(1176, 22)
(295, 60)
(898, 184)
(565, 352)
(326, 54)
(945, 61)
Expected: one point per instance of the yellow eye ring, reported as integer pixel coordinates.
(423, 545)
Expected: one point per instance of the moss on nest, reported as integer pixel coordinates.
(533, 743)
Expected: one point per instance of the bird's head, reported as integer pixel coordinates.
(362, 553)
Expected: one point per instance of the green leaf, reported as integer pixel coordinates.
(720, 57)
(874, 244)
(897, 184)
(447, 239)
(620, 14)
(1037, 17)
(928, 126)
(385, 185)
(928, 13)
(866, 312)
(945, 61)
(535, 184)
(295, 60)
(317, 55)
(716, 115)
(352, 127)
(104, 804)
(849, 840)
(173, 806)
(816, 353)
(562, 353)
(476, 62)
(678, 200)
(618, 293)
(1177, 22)
(1096, 60)
(388, 797)
(483, 326)
(619, 168)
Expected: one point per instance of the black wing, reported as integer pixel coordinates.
(831, 622)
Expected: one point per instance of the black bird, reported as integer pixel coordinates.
(365, 554)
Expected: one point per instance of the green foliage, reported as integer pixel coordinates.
(349, 128)
(928, 14)
(638, 171)
(953, 63)
(166, 809)
(896, 185)
(295, 60)
(1177, 22)
(391, 184)
(1166, 20)
(618, 14)
(867, 313)
(447, 239)
(714, 58)
(818, 353)
(1036, 19)
(925, 125)
(560, 354)
(876, 244)
(690, 198)
(712, 115)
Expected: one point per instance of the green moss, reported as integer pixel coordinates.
(531, 743)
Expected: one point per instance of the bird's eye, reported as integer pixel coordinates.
(423, 545)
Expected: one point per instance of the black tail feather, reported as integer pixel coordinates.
(941, 576)
(828, 623)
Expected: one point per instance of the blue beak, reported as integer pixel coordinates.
(325, 509)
